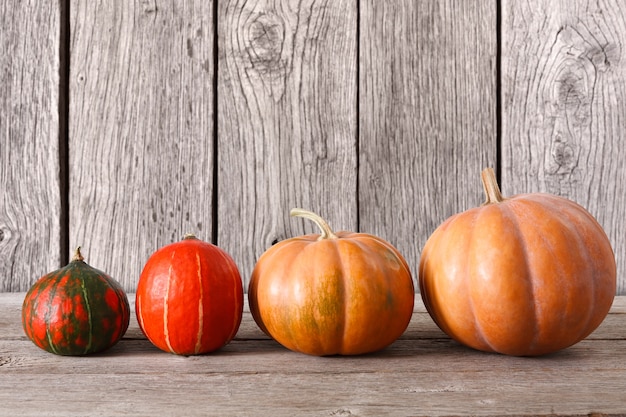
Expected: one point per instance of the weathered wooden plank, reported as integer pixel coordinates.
(30, 203)
(287, 121)
(417, 356)
(252, 351)
(439, 393)
(141, 129)
(563, 106)
(427, 115)
(254, 375)
(420, 327)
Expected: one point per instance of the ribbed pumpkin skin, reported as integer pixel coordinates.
(75, 310)
(189, 298)
(527, 276)
(345, 296)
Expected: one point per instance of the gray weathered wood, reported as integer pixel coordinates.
(286, 121)
(30, 204)
(427, 115)
(141, 129)
(423, 373)
(389, 142)
(563, 106)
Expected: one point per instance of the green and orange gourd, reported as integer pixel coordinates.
(76, 310)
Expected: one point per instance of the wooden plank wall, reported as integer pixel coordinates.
(141, 129)
(427, 115)
(287, 96)
(30, 189)
(218, 117)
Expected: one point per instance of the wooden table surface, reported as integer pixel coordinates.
(423, 373)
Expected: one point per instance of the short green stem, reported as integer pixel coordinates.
(327, 232)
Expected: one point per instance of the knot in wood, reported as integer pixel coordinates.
(572, 88)
(149, 6)
(563, 155)
(265, 37)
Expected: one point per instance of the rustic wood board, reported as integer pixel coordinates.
(141, 130)
(30, 184)
(378, 115)
(527, 391)
(286, 121)
(423, 373)
(564, 106)
(427, 115)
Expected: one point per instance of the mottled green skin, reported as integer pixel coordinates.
(75, 310)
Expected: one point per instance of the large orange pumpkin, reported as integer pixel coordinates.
(189, 297)
(345, 293)
(525, 275)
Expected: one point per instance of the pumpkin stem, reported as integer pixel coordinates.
(490, 185)
(327, 232)
(78, 257)
(189, 236)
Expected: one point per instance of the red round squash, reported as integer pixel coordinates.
(75, 310)
(345, 293)
(189, 297)
(526, 275)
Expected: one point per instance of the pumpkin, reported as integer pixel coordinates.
(526, 275)
(75, 310)
(332, 294)
(189, 297)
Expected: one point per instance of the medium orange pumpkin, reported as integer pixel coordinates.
(189, 297)
(525, 275)
(345, 293)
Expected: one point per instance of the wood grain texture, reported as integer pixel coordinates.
(141, 129)
(30, 204)
(422, 373)
(527, 390)
(427, 115)
(563, 106)
(287, 121)
(377, 115)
